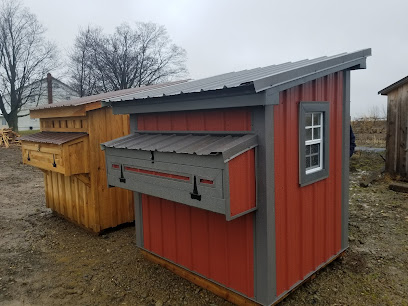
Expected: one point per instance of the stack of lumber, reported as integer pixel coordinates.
(8, 136)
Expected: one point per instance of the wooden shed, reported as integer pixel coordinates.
(67, 149)
(241, 180)
(397, 128)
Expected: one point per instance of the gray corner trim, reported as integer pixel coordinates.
(265, 247)
(304, 107)
(345, 160)
(133, 123)
(152, 106)
(138, 219)
(356, 64)
(271, 97)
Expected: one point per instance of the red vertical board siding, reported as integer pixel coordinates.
(242, 182)
(199, 240)
(307, 219)
(211, 120)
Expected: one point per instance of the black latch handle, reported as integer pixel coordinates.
(194, 194)
(122, 178)
(28, 156)
(54, 164)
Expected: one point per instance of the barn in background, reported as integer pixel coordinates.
(241, 180)
(397, 128)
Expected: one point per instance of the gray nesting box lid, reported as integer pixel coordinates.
(227, 145)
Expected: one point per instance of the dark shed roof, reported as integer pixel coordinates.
(393, 86)
(227, 145)
(57, 138)
(258, 79)
(106, 95)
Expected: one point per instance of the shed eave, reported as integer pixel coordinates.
(393, 86)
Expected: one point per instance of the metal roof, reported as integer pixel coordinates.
(393, 86)
(57, 138)
(259, 78)
(227, 145)
(106, 95)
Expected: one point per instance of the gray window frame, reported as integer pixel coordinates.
(308, 107)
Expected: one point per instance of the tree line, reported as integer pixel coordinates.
(134, 55)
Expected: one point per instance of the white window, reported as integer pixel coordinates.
(313, 142)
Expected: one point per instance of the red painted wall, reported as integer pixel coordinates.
(201, 241)
(307, 219)
(212, 120)
(242, 182)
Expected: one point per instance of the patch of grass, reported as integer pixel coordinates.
(28, 132)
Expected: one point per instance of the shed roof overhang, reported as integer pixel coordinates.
(260, 86)
(227, 145)
(393, 86)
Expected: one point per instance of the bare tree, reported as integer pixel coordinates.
(130, 57)
(25, 58)
(83, 78)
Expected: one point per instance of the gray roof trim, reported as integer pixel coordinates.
(393, 86)
(193, 101)
(276, 77)
(227, 145)
(271, 92)
(310, 68)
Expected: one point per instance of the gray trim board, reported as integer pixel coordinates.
(345, 160)
(138, 219)
(265, 247)
(133, 123)
(188, 103)
(356, 64)
(304, 107)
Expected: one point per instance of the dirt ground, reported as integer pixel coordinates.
(46, 260)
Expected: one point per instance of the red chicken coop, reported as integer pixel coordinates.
(241, 180)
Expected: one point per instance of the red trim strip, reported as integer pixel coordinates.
(162, 174)
(206, 181)
(115, 166)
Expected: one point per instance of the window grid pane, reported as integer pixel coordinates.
(313, 141)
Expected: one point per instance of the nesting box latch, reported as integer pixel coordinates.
(54, 164)
(194, 194)
(122, 178)
(28, 156)
(152, 156)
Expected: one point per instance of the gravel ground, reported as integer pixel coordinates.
(46, 260)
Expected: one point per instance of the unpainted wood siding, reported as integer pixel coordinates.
(397, 132)
(86, 199)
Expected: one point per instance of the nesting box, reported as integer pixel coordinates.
(241, 180)
(67, 150)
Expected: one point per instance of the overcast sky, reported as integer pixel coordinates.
(224, 36)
